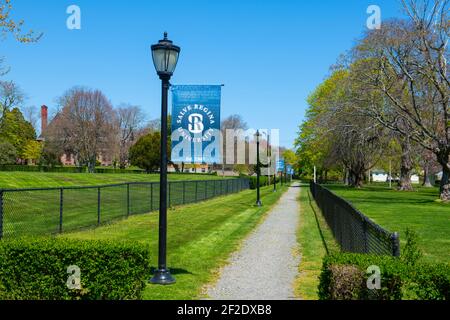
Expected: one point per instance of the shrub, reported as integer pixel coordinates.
(37, 269)
(263, 181)
(346, 282)
(411, 253)
(399, 279)
(391, 276)
(428, 282)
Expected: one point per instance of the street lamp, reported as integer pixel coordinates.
(165, 58)
(258, 171)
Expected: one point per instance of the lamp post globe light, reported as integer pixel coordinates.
(258, 171)
(165, 57)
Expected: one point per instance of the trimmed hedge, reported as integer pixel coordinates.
(341, 279)
(263, 181)
(37, 269)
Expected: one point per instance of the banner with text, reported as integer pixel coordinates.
(196, 124)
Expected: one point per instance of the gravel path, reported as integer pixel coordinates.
(265, 267)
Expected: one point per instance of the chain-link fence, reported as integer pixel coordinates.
(352, 229)
(46, 211)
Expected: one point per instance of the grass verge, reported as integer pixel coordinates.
(200, 238)
(315, 241)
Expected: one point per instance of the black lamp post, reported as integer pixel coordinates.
(165, 58)
(258, 171)
(275, 180)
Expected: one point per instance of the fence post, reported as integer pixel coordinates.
(395, 239)
(128, 199)
(61, 208)
(1, 214)
(206, 190)
(98, 206)
(184, 192)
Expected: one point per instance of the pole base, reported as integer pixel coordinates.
(162, 277)
(259, 203)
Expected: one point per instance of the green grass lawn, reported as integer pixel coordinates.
(394, 210)
(44, 180)
(315, 241)
(200, 238)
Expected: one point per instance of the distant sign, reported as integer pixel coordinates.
(289, 169)
(280, 165)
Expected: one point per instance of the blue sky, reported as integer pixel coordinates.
(269, 54)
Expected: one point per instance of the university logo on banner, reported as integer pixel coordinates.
(196, 124)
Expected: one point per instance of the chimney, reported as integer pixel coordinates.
(44, 118)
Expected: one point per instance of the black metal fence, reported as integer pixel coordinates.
(352, 229)
(45, 211)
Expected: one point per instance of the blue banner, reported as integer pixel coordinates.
(280, 165)
(196, 124)
(289, 170)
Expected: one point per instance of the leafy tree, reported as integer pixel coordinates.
(337, 134)
(290, 157)
(145, 154)
(313, 145)
(406, 61)
(16, 130)
(32, 151)
(8, 154)
(49, 157)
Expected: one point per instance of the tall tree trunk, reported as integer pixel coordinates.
(356, 178)
(443, 159)
(426, 177)
(445, 183)
(406, 166)
(91, 164)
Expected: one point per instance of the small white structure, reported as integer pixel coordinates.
(379, 176)
(415, 179)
